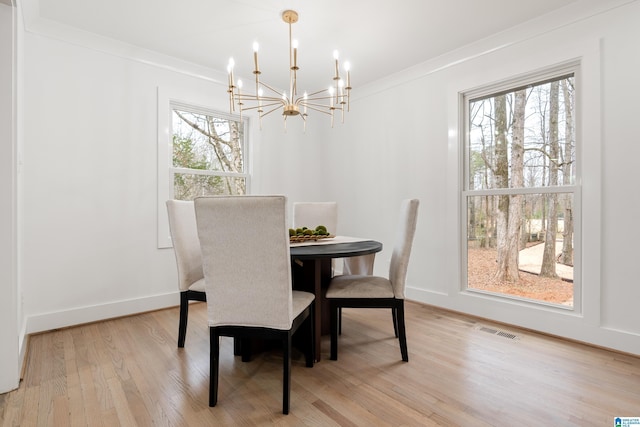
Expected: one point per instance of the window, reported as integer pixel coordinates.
(520, 197)
(208, 154)
(201, 151)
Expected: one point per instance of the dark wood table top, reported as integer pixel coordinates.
(335, 250)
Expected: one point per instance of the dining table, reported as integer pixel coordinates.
(311, 263)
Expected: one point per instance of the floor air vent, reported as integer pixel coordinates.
(507, 335)
(498, 333)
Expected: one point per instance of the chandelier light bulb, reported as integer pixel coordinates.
(347, 68)
(230, 66)
(239, 84)
(255, 58)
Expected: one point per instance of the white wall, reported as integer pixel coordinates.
(9, 328)
(620, 152)
(293, 162)
(402, 141)
(89, 180)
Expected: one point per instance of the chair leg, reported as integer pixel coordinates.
(401, 331)
(214, 358)
(340, 321)
(286, 374)
(334, 313)
(245, 349)
(184, 315)
(394, 315)
(311, 347)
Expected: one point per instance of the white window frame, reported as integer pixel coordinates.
(168, 100)
(570, 67)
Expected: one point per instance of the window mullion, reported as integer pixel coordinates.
(514, 191)
(207, 172)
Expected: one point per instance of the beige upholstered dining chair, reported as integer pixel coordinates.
(360, 291)
(247, 269)
(312, 214)
(186, 246)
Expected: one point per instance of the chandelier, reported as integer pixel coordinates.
(327, 101)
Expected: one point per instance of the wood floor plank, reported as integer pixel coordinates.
(462, 371)
(29, 416)
(90, 404)
(11, 407)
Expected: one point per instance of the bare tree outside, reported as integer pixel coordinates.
(505, 260)
(520, 156)
(566, 257)
(208, 155)
(549, 255)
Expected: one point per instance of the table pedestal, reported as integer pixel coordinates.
(311, 272)
(314, 276)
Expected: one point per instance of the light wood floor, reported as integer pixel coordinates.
(461, 372)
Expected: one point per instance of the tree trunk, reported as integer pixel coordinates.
(566, 257)
(507, 262)
(548, 268)
(517, 181)
(510, 207)
(487, 225)
(471, 208)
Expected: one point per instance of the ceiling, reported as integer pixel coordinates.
(377, 38)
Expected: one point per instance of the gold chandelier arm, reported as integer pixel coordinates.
(270, 88)
(317, 92)
(277, 104)
(247, 97)
(316, 105)
(270, 111)
(271, 104)
(315, 108)
(320, 98)
(326, 96)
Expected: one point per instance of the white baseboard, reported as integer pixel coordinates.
(76, 316)
(559, 323)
